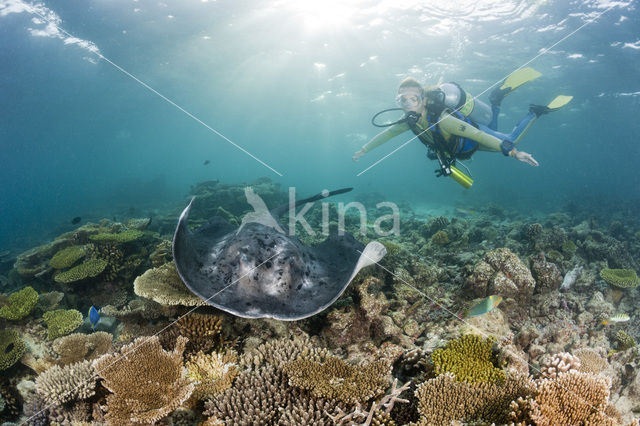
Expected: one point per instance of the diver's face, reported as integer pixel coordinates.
(410, 99)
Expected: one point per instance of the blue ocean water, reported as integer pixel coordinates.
(295, 83)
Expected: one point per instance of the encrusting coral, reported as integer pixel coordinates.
(469, 359)
(11, 348)
(72, 382)
(88, 269)
(147, 382)
(163, 285)
(19, 304)
(335, 379)
(620, 278)
(62, 322)
(77, 346)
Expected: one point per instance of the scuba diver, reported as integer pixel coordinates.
(453, 125)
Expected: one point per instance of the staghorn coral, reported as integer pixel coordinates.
(203, 331)
(88, 269)
(12, 348)
(280, 351)
(213, 373)
(444, 399)
(117, 237)
(335, 379)
(72, 382)
(77, 414)
(77, 347)
(572, 398)
(590, 361)
(19, 304)
(468, 359)
(163, 285)
(146, 381)
(66, 257)
(620, 278)
(62, 322)
(560, 363)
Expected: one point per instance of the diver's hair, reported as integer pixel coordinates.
(411, 82)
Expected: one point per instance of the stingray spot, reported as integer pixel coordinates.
(323, 283)
(268, 264)
(306, 273)
(248, 303)
(299, 286)
(255, 277)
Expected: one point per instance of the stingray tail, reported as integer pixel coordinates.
(278, 211)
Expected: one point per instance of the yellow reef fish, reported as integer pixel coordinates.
(485, 305)
(616, 318)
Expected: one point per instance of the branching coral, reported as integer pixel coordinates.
(147, 382)
(78, 347)
(559, 363)
(213, 373)
(469, 359)
(335, 379)
(620, 278)
(11, 348)
(444, 399)
(280, 351)
(163, 285)
(572, 398)
(88, 269)
(72, 382)
(61, 322)
(203, 331)
(19, 304)
(66, 257)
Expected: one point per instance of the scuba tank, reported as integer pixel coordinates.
(452, 96)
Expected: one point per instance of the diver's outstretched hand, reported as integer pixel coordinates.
(525, 157)
(357, 155)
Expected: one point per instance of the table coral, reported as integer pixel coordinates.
(78, 347)
(66, 257)
(336, 379)
(62, 322)
(117, 237)
(620, 278)
(146, 382)
(88, 269)
(469, 359)
(163, 285)
(213, 373)
(19, 304)
(11, 348)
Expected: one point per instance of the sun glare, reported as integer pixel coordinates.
(327, 14)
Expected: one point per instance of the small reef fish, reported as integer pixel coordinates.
(466, 212)
(487, 304)
(94, 316)
(616, 318)
(206, 162)
(76, 220)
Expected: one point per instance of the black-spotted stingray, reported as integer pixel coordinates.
(257, 270)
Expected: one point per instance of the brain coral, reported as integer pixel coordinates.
(19, 304)
(621, 278)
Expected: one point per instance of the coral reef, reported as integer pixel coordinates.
(77, 347)
(72, 382)
(204, 332)
(468, 359)
(19, 304)
(147, 383)
(620, 278)
(61, 322)
(335, 379)
(560, 363)
(117, 237)
(66, 257)
(88, 269)
(164, 286)
(213, 373)
(12, 348)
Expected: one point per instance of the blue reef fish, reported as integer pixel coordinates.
(76, 220)
(94, 316)
(616, 318)
(487, 304)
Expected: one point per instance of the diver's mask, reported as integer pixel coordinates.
(409, 100)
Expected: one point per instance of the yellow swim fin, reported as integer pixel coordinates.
(559, 102)
(518, 78)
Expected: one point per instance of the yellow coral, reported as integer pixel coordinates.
(213, 373)
(87, 269)
(336, 379)
(469, 359)
(620, 278)
(440, 238)
(163, 285)
(61, 322)
(19, 304)
(68, 256)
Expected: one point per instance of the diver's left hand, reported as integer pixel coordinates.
(525, 157)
